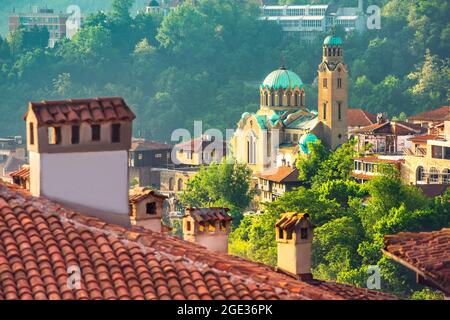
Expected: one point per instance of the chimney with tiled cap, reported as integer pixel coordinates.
(294, 234)
(78, 151)
(146, 208)
(208, 227)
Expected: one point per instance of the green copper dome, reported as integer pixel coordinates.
(282, 78)
(332, 41)
(304, 140)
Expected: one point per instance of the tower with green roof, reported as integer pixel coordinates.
(333, 92)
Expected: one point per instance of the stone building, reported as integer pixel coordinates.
(284, 118)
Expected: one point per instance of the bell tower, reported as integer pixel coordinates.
(333, 93)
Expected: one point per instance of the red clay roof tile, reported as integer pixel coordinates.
(81, 110)
(360, 118)
(427, 253)
(114, 265)
(439, 114)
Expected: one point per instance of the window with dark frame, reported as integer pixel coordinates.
(304, 233)
(325, 111)
(188, 226)
(115, 133)
(289, 235)
(339, 83)
(150, 208)
(75, 134)
(54, 135)
(31, 133)
(96, 135)
(339, 111)
(280, 233)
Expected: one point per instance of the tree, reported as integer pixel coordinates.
(227, 184)
(308, 166)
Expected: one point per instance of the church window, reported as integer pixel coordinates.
(280, 98)
(272, 98)
(339, 111)
(302, 98)
(325, 82)
(31, 133)
(251, 148)
(339, 83)
(288, 98)
(296, 99)
(266, 98)
(334, 51)
(325, 111)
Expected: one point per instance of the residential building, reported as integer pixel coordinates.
(164, 6)
(427, 160)
(425, 253)
(306, 22)
(46, 243)
(366, 168)
(55, 23)
(386, 137)
(78, 151)
(202, 150)
(21, 177)
(145, 155)
(171, 181)
(12, 155)
(432, 118)
(359, 118)
(273, 184)
(284, 120)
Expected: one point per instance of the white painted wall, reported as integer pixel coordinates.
(97, 180)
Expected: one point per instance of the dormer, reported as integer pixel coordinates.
(208, 227)
(294, 234)
(146, 208)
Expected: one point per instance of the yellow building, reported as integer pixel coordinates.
(284, 121)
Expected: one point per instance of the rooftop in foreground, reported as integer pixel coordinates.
(40, 240)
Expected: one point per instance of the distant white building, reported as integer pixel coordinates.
(305, 22)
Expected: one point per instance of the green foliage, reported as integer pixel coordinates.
(427, 294)
(351, 221)
(227, 184)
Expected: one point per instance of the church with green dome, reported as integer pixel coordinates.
(281, 130)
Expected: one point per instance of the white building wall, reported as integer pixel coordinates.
(91, 182)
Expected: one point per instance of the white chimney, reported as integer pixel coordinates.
(78, 151)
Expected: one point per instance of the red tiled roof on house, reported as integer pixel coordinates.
(139, 194)
(439, 114)
(199, 144)
(379, 160)
(40, 240)
(209, 214)
(433, 190)
(81, 110)
(144, 145)
(426, 253)
(360, 118)
(391, 127)
(23, 173)
(281, 174)
(424, 138)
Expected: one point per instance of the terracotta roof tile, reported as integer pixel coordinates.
(391, 127)
(281, 174)
(439, 114)
(427, 253)
(289, 220)
(360, 118)
(41, 239)
(23, 173)
(209, 214)
(81, 110)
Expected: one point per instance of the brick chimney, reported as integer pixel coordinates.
(294, 234)
(78, 151)
(146, 208)
(208, 227)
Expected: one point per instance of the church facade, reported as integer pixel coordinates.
(281, 129)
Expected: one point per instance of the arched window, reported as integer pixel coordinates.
(266, 98)
(288, 98)
(420, 175)
(334, 51)
(251, 148)
(296, 99)
(272, 98)
(434, 175)
(171, 184)
(446, 176)
(280, 98)
(180, 184)
(329, 51)
(301, 99)
(324, 111)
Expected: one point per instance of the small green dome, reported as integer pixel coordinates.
(244, 115)
(282, 78)
(332, 41)
(304, 140)
(153, 3)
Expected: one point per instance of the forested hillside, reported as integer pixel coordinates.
(205, 62)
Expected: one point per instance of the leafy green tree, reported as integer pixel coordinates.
(225, 184)
(309, 166)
